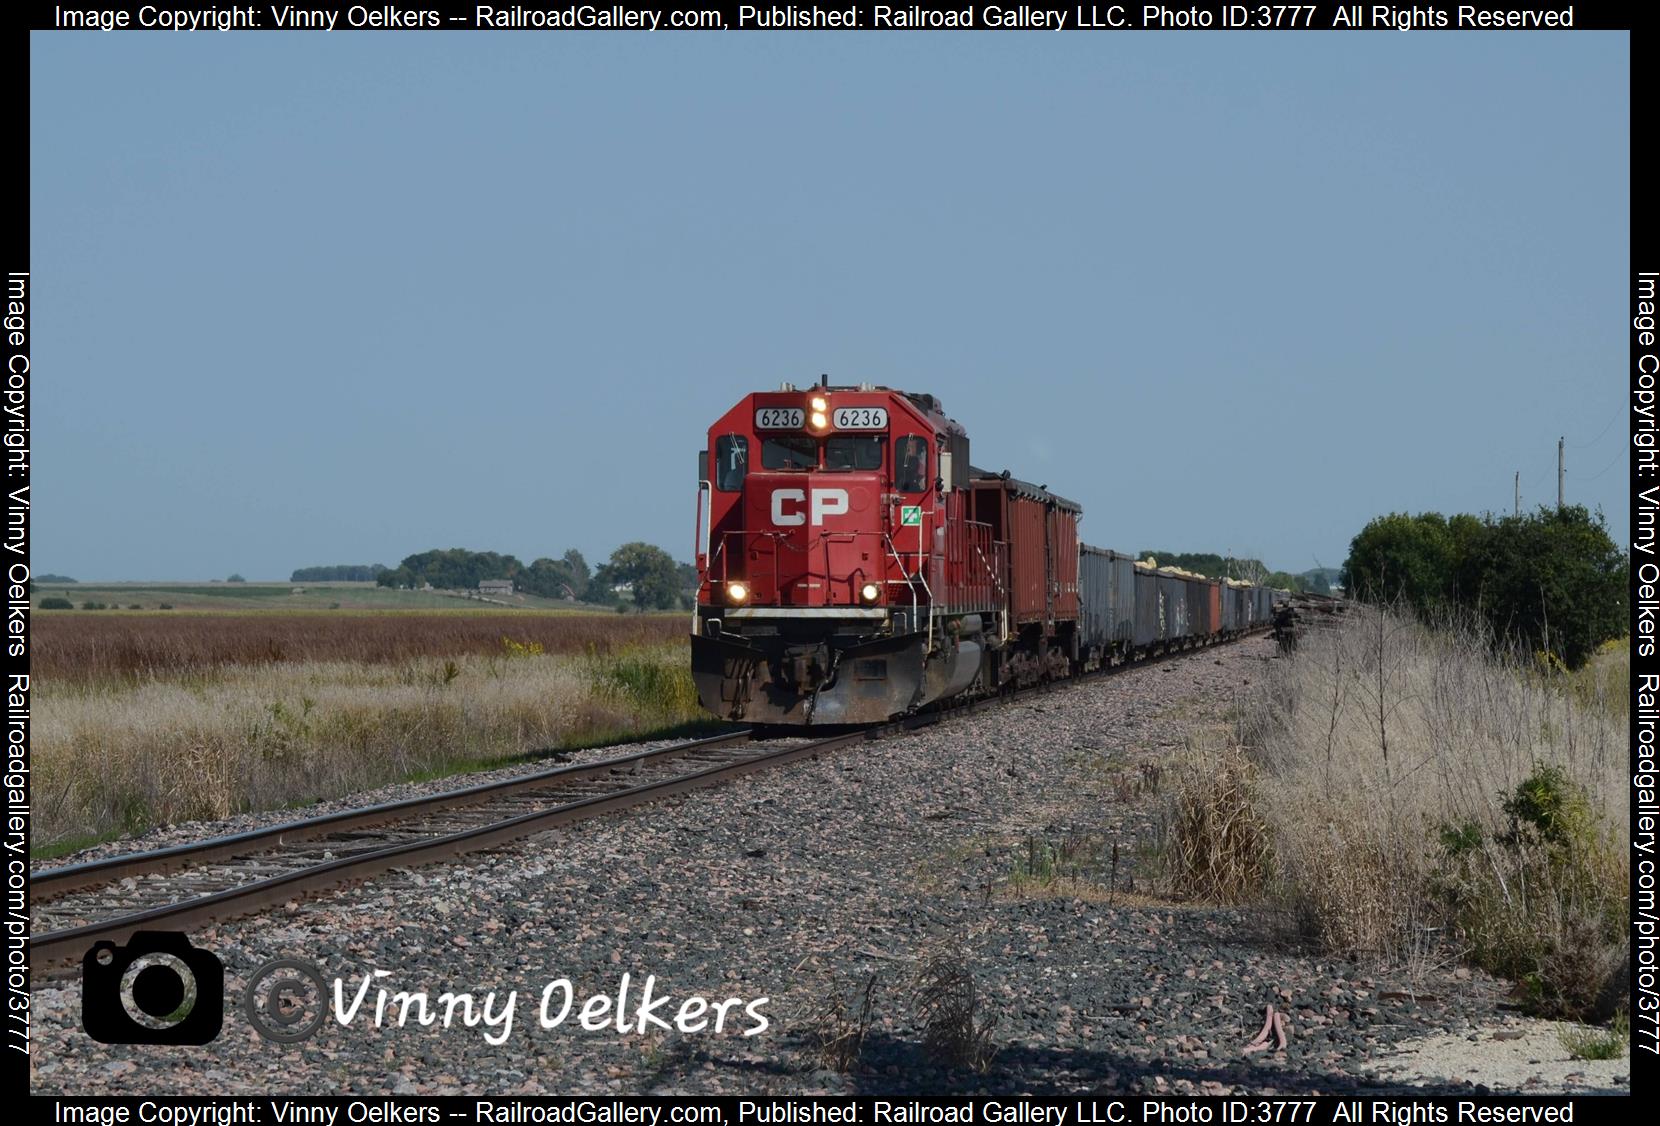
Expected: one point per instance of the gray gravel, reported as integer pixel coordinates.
(797, 885)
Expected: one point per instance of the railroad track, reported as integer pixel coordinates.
(72, 907)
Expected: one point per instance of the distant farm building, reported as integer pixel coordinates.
(495, 587)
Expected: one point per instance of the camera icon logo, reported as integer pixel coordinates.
(157, 989)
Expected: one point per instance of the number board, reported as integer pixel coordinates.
(780, 418)
(860, 418)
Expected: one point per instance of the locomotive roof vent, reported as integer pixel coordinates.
(867, 386)
(786, 386)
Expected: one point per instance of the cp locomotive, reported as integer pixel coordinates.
(854, 566)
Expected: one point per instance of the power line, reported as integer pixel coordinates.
(1617, 459)
(1598, 438)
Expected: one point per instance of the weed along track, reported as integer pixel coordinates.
(75, 906)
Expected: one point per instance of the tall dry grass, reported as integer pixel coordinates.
(1421, 793)
(1218, 840)
(114, 756)
(95, 647)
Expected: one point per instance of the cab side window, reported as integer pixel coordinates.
(731, 462)
(911, 465)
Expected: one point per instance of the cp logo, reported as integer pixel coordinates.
(826, 502)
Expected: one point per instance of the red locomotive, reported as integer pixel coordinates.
(852, 567)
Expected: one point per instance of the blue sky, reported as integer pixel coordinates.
(310, 299)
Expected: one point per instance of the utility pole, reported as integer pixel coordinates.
(1561, 445)
(1518, 492)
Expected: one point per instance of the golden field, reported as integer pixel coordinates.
(146, 719)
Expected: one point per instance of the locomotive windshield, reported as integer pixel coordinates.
(789, 453)
(863, 452)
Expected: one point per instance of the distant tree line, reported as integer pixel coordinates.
(339, 573)
(454, 569)
(50, 578)
(1553, 580)
(651, 579)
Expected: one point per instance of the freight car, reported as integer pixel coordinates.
(853, 566)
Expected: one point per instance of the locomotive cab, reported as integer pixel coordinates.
(838, 580)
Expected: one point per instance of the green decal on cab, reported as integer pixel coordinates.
(910, 515)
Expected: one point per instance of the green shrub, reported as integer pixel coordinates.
(1542, 902)
(1461, 840)
(1584, 1043)
(56, 604)
(645, 679)
(1550, 806)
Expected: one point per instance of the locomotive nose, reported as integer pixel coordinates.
(819, 537)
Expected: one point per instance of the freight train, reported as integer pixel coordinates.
(854, 566)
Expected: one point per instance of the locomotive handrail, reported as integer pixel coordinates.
(705, 502)
(997, 587)
(917, 577)
(887, 541)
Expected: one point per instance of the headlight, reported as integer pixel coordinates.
(737, 592)
(818, 420)
(820, 404)
(870, 592)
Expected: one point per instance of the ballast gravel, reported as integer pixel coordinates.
(1011, 846)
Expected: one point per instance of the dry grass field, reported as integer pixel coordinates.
(149, 719)
(74, 647)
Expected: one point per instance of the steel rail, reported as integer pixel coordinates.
(66, 945)
(51, 883)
